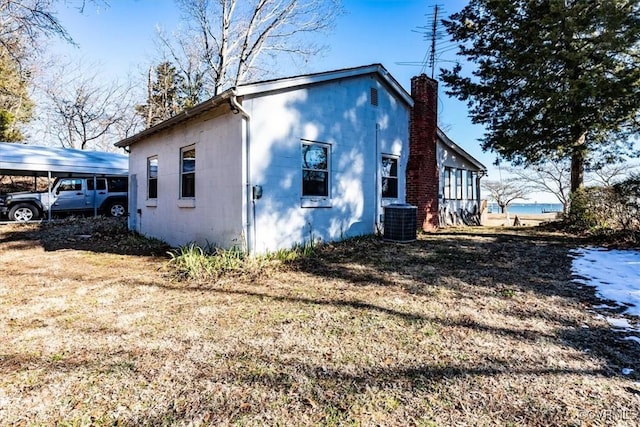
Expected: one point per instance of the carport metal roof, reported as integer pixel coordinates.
(33, 160)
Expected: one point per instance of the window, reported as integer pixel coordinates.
(446, 189)
(70, 185)
(188, 172)
(101, 184)
(471, 185)
(389, 177)
(118, 184)
(459, 184)
(315, 169)
(152, 177)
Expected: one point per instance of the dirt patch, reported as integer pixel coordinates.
(469, 326)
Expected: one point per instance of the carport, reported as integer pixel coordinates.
(38, 161)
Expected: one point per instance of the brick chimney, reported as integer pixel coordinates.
(422, 169)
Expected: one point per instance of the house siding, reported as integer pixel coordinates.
(450, 208)
(338, 113)
(214, 216)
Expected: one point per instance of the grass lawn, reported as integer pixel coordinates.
(469, 326)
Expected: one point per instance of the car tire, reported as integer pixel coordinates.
(117, 209)
(23, 212)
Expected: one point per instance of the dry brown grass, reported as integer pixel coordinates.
(477, 326)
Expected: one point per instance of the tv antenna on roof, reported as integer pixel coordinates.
(433, 33)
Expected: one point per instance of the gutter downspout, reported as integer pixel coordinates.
(378, 210)
(249, 204)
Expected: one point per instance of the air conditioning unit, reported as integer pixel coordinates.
(400, 223)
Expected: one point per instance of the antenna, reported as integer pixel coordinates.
(438, 42)
(434, 32)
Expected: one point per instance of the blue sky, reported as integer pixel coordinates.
(120, 38)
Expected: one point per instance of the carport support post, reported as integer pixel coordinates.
(50, 196)
(95, 196)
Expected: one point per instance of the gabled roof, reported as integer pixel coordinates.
(455, 147)
(34, 160)
(310, 79)
(269, 86)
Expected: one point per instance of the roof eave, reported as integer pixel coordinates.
(289, 82)
(203, 107)
(460, 150)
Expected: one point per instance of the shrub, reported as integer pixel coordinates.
(601, 209)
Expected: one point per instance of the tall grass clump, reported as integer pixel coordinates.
(193, 262)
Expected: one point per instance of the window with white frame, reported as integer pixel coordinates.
(389, 176)
(315, 169)
(152, 177)
(446, 188)
(188, 172)
(471, 185)
(459, 184)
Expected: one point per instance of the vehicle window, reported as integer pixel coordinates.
(118, 184)
(70, 185)
(102, 185)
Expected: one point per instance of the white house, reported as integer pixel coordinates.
(459, 177)
(268, 165)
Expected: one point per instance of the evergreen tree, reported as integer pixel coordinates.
(16, 107)
(164, 98)
(554, 78)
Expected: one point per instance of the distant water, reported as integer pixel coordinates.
(527, 208)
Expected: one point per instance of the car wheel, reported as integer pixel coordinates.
(117, 209)
(23, 212)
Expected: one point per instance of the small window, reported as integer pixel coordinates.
(152, 177)
(471, 185)
(459, 184)
(389, 177)
(100, 183)
(315, 169)
(446, 189)
(188, 172)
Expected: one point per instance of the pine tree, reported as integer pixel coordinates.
(553, 78)
(165, 98)
(16, 107)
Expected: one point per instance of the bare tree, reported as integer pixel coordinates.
(26, 21)
(505, 191)
(226, 42)
(85, 111)
(548, 177)
(607, 175)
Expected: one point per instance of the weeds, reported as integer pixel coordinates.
(196, 263)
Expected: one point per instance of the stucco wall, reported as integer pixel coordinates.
(214, 216)
(340, 114)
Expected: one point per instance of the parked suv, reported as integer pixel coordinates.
(69, 195)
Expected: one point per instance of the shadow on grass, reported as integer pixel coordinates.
(99, 234)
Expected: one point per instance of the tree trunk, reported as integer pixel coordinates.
(577, 164)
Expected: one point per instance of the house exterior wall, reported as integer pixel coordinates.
(214, 215)
(450, 207)
(337, 113)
